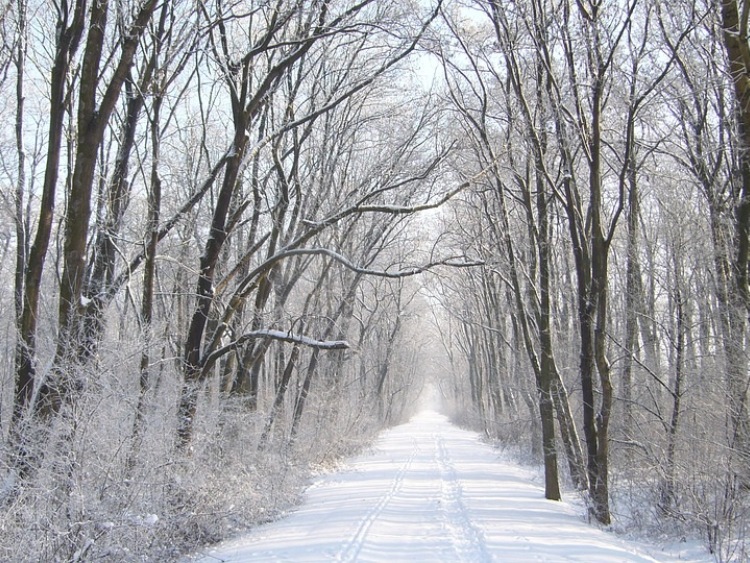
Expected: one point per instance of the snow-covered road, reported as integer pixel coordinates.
(429, 492)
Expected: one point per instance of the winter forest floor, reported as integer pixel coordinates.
(429, 491)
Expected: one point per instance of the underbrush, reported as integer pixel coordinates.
(96, 495)
(706, 515)
(91, 507)
(709, 514)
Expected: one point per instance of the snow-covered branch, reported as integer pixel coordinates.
(294, 247)
(371, 272)
(285, 336)
(138, 259)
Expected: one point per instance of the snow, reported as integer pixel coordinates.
(430, 491)
(289, 337)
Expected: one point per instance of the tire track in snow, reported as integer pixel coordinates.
(467, 541)
(352, 548)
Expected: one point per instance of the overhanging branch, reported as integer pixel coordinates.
(414, 270)
(285, 336)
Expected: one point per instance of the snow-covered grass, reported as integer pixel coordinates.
(90, 500)
(705, 518)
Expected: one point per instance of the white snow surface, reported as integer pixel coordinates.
(429, 491)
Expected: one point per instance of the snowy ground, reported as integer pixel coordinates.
(432, 492)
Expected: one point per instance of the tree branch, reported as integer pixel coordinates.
(284, 336)
(371, 272)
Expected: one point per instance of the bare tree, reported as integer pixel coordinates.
(69, 26)
(286, 44)
(734, 22)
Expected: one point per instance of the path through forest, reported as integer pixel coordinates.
(430, 491)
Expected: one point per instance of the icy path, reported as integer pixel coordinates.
(428, 492)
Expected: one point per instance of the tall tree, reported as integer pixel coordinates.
(93, 114)
(70, 24)
(735, 20)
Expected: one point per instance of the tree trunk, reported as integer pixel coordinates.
(547, 371)
(91, 124)
(149, 272)
(68, 39)
(668, 492)
(281, 390)
(569, 434)
(104, 253)
(735, 37)
(193, 370)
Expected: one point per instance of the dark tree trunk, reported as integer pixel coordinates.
(735, 37)
(68, 39)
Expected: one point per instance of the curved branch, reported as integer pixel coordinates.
(284, 336)
(370, 272)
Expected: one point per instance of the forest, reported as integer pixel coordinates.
(240, 237)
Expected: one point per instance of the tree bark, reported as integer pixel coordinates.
(69, 31)
(734, 19)
(91, 122)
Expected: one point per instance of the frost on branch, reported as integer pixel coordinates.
(286, 336)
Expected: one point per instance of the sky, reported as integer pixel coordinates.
(429, 491)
